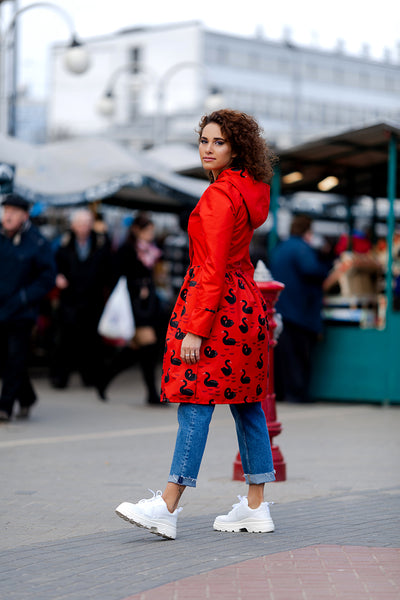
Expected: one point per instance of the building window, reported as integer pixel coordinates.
(221, 55)
(389, 83)
(339, 75)
(135, 59)
(312, 70)
(364, 79)
(254, 61)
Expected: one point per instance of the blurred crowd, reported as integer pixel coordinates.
(52, 295)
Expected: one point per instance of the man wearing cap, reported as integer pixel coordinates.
(27, 274)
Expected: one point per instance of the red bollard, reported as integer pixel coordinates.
(270, 291)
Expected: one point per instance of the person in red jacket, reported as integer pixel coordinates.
(216, 349)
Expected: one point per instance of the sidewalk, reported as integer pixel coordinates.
(64, 471)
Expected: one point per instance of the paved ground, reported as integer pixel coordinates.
(63, 472)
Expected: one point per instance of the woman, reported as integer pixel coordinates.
(217, 344)
(136, 259)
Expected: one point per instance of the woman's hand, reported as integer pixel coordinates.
(190, 349)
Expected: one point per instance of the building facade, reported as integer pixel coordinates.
(155, 82)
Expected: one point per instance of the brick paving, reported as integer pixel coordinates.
(62, 473)
(313, 573)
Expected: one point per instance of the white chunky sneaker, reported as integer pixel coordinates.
(152, 514)
(244, 518)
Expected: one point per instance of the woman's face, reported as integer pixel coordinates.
(146, 234)
(215, 150)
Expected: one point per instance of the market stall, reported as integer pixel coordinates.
(91, 169)
(358, 356)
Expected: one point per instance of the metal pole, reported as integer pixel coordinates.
(273, 210)
(162, 116)
(12, 29)
(391, 195)
(12, 98)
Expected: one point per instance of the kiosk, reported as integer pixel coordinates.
(357, 359)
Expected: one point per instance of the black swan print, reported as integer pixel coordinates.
(246, 350)
(175, 361)
(190, 376)
(174, 324)
(166, 378)
(230, 298)
(179, 334)
(261, 320)
(260, 362)
(210, 352)
(225, 322)
(247, 309)
(184, 294)
(244, 327)
(227, 340)
(261, 334)
(186, 392)
(258, 390)
(210, 382)
(229, 394)
(244, 378)
(227, 370)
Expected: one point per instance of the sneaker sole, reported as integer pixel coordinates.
(161, 529)
(246, 525)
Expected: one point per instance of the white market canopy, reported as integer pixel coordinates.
(85, 170)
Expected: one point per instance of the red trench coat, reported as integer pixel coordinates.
(219, 300)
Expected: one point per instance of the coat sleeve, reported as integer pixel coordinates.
(42, 273)
(45, 273)
(217, 218)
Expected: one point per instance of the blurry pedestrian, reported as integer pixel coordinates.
(136, 259)
(217, 343)
(176, 254)
(27, 274)
(299, 266)
(84, 269)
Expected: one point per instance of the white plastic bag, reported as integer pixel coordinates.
(117, 321)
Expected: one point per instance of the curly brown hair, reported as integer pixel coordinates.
(247, 141)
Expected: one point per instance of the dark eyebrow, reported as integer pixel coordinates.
(215, 139)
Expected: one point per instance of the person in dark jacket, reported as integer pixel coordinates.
(27, 274)
(135, 260)
(83, 264)
(298, 265)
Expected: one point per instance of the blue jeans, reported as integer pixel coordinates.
(252, 434)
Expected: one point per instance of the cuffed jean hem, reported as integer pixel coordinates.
(258, 478)
(188, 481)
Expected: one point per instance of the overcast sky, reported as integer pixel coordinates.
(311, 22)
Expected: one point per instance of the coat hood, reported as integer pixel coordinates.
(256, 194)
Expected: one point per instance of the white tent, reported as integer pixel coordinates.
(83, 170)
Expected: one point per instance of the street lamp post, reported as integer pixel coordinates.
(161, 117)
(76, 58)
(212, 101)
(106, 104)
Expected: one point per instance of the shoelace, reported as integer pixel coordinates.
(241, 498)
(156, 496)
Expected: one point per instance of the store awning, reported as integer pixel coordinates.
(85, 170)
(358, 159)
